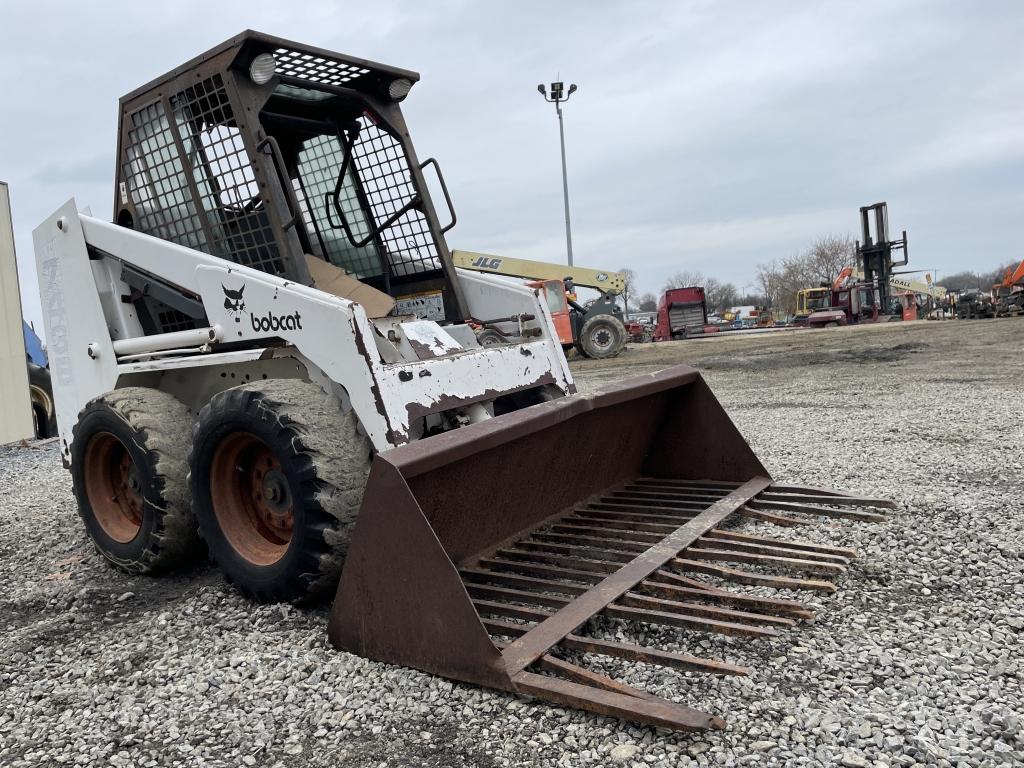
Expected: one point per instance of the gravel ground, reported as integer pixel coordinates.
(915, 661)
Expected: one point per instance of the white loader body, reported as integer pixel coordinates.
(403, 377)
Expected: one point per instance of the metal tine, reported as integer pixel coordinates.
(678, 492)
(764, 604)
(682, 586)
(490, 592)
(509, 611)
(635, 600)
(800, 546)
(648, 711)
(724, 484)
(677, 495)
(831, 493)
(577, 674)
(748, 577)
(621, 525)
(836, 501)
(793, 607)
(768, 517)
(731, 545)
(669, 501)
(591, 563)
(579, 550)
(712, 540)
(687, 621)
(732, 556)
(606, 555)
(517, 581)
(646, 505)
(642, 517)
(614, 610)
(685, 581)
(540, 569)
(627, 651)
(566, 525)
(619, 545)
(807, 509)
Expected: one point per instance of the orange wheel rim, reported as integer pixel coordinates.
(252, 500)
(113, 486)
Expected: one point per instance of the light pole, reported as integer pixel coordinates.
(558, 95)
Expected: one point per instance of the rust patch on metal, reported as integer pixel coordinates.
(448, 402)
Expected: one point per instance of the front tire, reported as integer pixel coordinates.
(277, 472)
(602, 336)
(128, 474)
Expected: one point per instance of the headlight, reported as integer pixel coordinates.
(262, 68)
(399, 89)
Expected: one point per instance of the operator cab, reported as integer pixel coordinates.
(264, 152)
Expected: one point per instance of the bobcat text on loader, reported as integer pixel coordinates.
(270, 350)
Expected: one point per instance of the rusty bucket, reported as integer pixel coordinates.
(481, 554)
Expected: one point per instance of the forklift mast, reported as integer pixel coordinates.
(875, 251)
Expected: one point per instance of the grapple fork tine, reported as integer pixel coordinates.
(436, 575)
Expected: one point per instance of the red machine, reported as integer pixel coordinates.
(682, 312)
(850, 303)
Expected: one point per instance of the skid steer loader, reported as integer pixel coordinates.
(271, 350)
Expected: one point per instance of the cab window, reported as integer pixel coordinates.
(554, 290)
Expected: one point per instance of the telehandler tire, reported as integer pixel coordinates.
(601, 336)
(128, 473)
(44, 414)
(277, 471)
(489, 337)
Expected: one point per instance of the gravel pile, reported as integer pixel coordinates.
(915, 661)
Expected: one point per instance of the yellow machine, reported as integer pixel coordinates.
(606, 282)
(809, 301)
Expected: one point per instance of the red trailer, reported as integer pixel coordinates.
(682, 312)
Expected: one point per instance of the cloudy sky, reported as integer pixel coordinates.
(706, 136)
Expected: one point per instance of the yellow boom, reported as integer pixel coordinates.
(608, 282)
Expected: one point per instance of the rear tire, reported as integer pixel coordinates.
(602, 336)
(277, 472)
(128, 474)
(43, 411)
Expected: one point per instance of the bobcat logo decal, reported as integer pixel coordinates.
(234, 303)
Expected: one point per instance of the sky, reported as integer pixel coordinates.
(708, 136)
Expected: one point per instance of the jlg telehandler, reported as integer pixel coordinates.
(270, 348)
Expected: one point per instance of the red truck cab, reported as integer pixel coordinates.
(682, 312)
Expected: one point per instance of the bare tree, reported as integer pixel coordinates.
(828, 255)
(628, 279)
(769, 277)
(719, 296)
(684, 279)
(648, 303)
(820, 264)
(962, 281)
